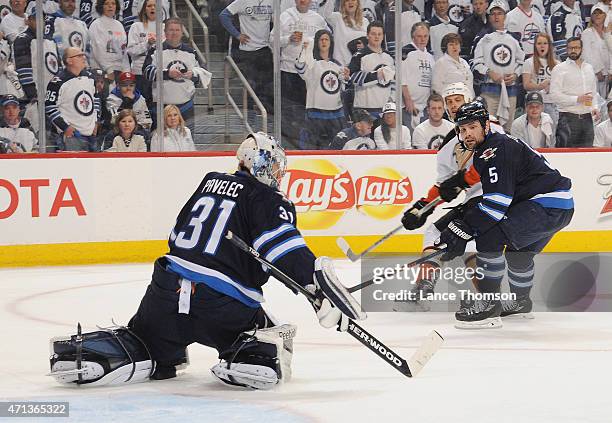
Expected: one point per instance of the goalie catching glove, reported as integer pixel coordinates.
(334, 304)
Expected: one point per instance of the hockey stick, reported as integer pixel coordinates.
(346, 249)
(409, 369)
(411, 264)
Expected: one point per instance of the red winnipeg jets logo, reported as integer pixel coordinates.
(489, 153)
(606, 181)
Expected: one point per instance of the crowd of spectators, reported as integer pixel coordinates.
(542, 67)
(99, 75)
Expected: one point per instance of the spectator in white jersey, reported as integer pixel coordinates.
(526, 22)
(416, 75)
(440, 25)
(72, 105)
(431, 133)
(451, 67)
(535, 127)
(357, 136)
(324, 79)
(141, 38)
(182, 71)
(385, 135)
(573, 86)
(373, 73)
(498, 60)
(595, 51)
(14, 23)
(603, 131)
(254, 57)
(298, 24)
(108, 41)
(564, 24)
(127, 96)
(175, 135)
(15, 129)
(347, 24)
(67, 31)
(536, 73)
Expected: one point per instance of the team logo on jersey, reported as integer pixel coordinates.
(455, 13)
(179, 66)
(386, 84)
(489, 153)
(530, 32)
(435, 142)
(51, 62)
(577, 31)
(367, 13)
(4, 10)
(330, 82)
(75, 39)
(606, 181)
(84, 103)
(501, 55)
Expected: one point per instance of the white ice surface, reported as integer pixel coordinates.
(556, 368)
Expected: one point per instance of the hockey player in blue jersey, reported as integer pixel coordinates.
(207, 291)
(525, 202)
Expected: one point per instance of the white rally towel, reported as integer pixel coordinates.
(503, 108)
(203, 74)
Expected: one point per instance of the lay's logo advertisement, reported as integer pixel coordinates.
(323, 192)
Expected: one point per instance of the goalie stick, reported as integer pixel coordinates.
(408, 368)
(346, 249)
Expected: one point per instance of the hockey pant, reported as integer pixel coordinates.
(523, 233)
(214, 319)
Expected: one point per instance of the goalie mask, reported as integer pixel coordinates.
(263, 156)
(110, 356)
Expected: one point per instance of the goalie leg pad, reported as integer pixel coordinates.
(111, 356)
(258, 360)
(327, 281)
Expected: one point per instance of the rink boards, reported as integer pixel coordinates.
(105, 208)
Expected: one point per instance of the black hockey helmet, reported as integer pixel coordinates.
(470, 112)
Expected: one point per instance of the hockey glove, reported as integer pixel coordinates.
(411, 219)
(456, 236)
(450, 189)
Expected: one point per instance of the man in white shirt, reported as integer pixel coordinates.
(498, 58)
(526, 22)
(430, 134)
(534, 127)
(416, 75)
(603, 131)
(14, 23)
(254, 56)
(572, 87)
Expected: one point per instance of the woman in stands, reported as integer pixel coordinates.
(385, 134)
(536, 72)
(108, 40)
(140, 38)
(175, 135)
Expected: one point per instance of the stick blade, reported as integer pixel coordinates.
(428, 348)
(346, 249)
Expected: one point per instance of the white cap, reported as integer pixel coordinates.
(501, 4)
(598, 7)
(389, 107)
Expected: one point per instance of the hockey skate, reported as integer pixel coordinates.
(519, 308)
(481, 314)
(420, 290)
